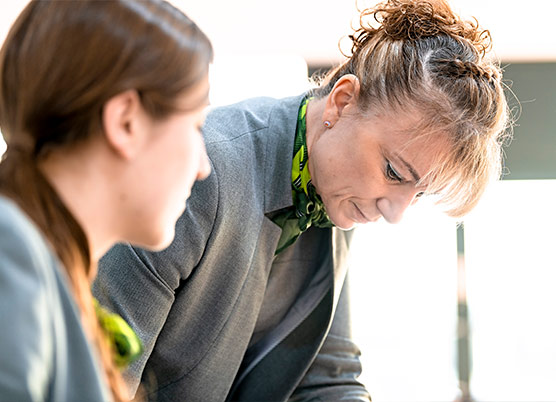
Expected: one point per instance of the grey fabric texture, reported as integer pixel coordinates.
(44, 353)
(196, 305)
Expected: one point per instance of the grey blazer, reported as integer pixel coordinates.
(44, 353)
(196, 304)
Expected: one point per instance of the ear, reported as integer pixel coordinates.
(344, 94)
(123, 121)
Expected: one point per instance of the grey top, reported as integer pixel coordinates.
(220, 316)
(44, 354)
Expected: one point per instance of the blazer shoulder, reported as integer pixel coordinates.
(229, 122)
(27, 284)
(20, 237)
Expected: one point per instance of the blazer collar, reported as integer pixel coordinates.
(279, 154)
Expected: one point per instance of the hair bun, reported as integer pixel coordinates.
(416, 19)
(408, 20)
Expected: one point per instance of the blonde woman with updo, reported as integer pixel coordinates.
(100, 105)
(250, 302)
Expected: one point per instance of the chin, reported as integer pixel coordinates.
(347, 227)
(343, 224)
(160, 242)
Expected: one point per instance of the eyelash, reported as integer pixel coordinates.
(391, 173)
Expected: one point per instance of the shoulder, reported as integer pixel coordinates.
(20, 239)
(43, 343)
(228, 122)
(248, 138)
(251, 115)
(27, 288)
(28, 267)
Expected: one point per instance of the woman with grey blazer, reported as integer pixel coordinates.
(250, 301)
(88, 106)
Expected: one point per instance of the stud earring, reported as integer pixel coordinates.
(327, 124)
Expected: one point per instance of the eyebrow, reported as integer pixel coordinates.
(410, 168)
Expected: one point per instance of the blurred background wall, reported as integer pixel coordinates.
(440, 313)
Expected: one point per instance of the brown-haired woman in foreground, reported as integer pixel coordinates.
(248, 296)
(100, 104)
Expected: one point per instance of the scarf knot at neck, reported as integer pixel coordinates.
(308, 208)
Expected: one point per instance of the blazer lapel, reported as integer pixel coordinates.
(274, 378)
(341, 240)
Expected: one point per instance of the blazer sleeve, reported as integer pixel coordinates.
(333, 374)
(140, 285)
(26, 340)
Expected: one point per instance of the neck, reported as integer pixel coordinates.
(78, 180)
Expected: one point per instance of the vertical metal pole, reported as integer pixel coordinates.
(464, 340)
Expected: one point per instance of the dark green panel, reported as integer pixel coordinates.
(532, 153)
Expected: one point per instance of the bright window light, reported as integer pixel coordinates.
(403, 281)
(241, 75)
(511, 280)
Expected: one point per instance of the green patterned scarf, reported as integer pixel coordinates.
(308, 208)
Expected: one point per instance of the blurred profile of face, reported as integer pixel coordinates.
(368, 167)
(174, 159)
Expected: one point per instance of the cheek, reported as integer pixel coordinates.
(190, 160)
(192, 150)
(172, 168)
(326, 169)
(340, 214)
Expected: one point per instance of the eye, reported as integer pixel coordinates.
(391, 173)
(419, 194)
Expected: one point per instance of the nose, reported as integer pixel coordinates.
(204, 164)
(393, 206)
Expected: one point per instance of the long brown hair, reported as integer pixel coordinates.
(418, 55)
(61, 62)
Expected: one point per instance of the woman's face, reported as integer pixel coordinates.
(365, 168)
(174, 158)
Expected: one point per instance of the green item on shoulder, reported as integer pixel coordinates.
(125, 343)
